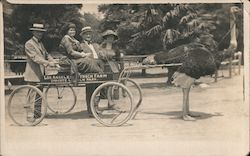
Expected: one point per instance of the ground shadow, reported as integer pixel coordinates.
(147, 75)
(124, 125)
(73, 116)
(153, 85)
(177, 114)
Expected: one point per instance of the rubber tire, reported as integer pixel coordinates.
(98, 89)
(38, 92)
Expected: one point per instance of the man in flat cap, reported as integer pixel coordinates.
(37, 59)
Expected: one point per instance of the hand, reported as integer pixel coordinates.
(87, 54)
(55, 61)
(52, 64)
(83, 55)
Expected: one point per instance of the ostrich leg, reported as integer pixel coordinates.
(185, 109)
(188, 112)
(171, 71)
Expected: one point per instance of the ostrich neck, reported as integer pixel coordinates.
(233, 41)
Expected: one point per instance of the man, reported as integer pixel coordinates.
(94, 52)
(37, 59)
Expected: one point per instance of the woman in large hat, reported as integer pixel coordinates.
(110, 48)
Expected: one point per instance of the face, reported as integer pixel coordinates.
(110, 38)
(87, 36)
(38, 34)
(72, 32)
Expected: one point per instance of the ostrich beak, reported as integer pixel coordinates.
(236, 9)
(149, 60)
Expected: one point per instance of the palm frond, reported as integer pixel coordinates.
(154, 31)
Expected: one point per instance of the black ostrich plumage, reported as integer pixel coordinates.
(196, 59)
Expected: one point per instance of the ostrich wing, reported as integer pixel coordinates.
(196, 60)
(175, 55)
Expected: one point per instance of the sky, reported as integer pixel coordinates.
(90, 8)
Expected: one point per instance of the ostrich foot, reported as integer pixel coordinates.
(193, 115)
(169, 83)
(188, 118)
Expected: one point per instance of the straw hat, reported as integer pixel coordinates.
(108, 33)
(38, 27)
(86, 29)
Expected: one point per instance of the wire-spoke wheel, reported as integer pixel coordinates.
(27, 106)
(115, 109)
(60, 99)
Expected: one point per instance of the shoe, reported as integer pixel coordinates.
(31, 119)
(37, 116)
(91, 116)
(96, 102)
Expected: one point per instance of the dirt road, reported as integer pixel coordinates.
(222, 129)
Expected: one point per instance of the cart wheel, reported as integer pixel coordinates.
(60, 99)
(116, 113)
(23, 108)
(135, 90)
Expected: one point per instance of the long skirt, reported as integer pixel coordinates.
(82, 65)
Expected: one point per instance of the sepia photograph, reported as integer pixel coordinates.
(122, 78)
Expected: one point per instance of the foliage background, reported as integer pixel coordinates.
(142, 28)
(164, 26)
(19, 18)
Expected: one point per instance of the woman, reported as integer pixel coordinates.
(110, 49)
(71, 47)
(111, 53)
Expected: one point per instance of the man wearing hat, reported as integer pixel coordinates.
(93, 51)
(99, 54)
(37, 59)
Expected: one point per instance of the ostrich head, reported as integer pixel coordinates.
(235, 9)
(149, 60)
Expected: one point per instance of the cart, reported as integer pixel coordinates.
(115, 108)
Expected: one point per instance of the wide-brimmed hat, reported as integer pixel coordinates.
(86, 29)
(38, 27)
(108, 33)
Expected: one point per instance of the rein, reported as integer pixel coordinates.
(226, 35)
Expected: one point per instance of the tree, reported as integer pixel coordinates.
(20, 19)
(146, 28)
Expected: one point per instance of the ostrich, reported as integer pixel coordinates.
(197, 60)
(222, 55)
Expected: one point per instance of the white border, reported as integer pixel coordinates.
(246, 43)
(2, 97)
(118, 1)
(246, 27)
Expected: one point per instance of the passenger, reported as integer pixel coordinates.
(71, 47)
(94, 51)
(112, 53)
(111, 50)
